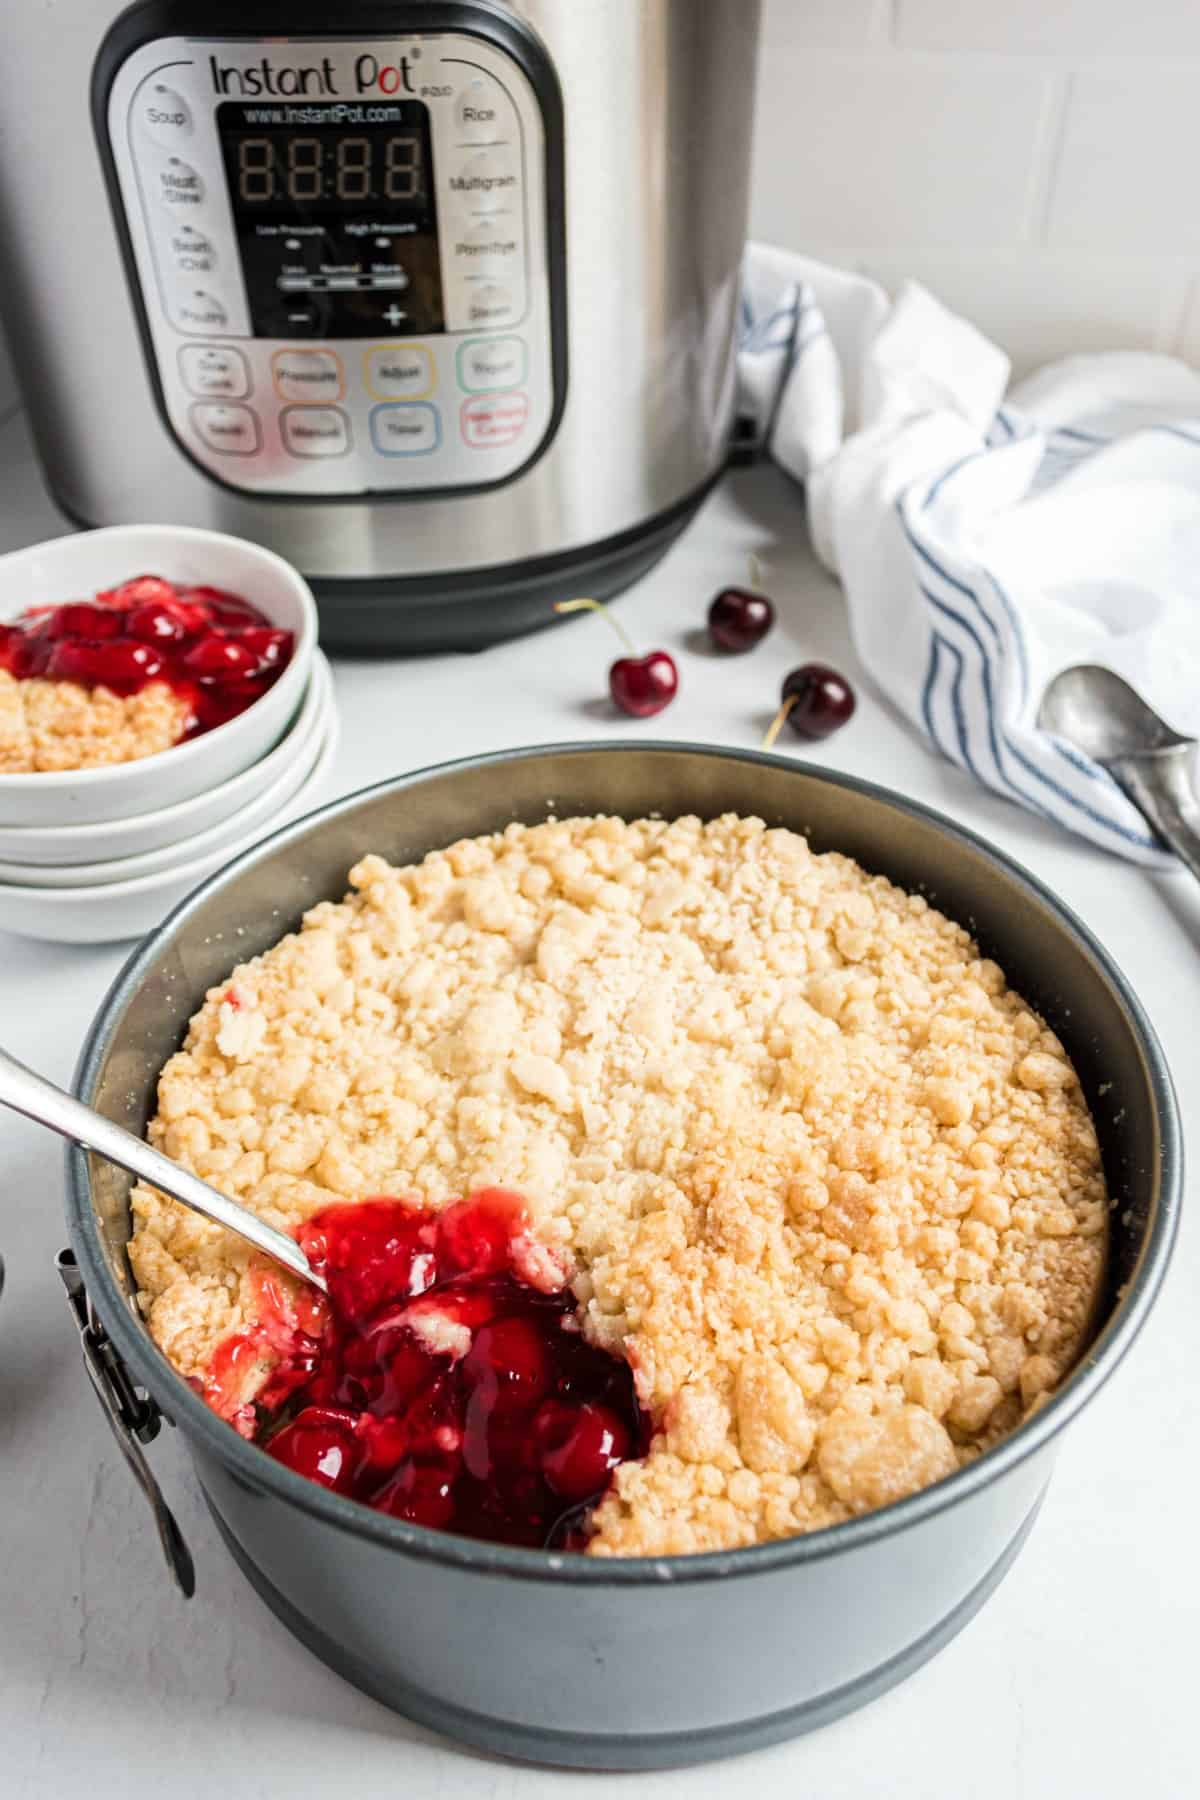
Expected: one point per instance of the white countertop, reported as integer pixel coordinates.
(1078, 1677)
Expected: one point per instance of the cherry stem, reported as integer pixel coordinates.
(757, 571)
(597, 606)
(776, 725)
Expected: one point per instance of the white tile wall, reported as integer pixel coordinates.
(1032, 161)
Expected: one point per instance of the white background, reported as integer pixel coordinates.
(1035, 162)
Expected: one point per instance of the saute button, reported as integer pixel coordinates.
(404, 372)
(231, 430)
(477, 111)
(411, 430)
(485, 364)
(490, 421)
(163, 114)
(315, 430)
(211, 371)
(307, 374)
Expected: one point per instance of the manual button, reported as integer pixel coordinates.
(314, 430)
(307, 374)
(485, 364)
(231, 430)
(212, 371)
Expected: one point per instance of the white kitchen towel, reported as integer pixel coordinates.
(987, 538)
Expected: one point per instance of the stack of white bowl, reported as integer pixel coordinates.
(93, 855)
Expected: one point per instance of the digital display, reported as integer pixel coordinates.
(335, 217)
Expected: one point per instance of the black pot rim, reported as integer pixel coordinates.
(263, 1474)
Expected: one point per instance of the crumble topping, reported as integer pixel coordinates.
(822, 1177)
(51, 725)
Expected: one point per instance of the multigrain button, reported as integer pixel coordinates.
(486, 182)
(412, 430)
(307, 375)
(490, 421)
(163, 114)
(213, 371)
(230, 430)
(398, 372)
(314, 430)
(485, 364)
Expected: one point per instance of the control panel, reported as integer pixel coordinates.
(342, 258)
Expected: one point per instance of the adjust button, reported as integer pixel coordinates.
(412, 430)
(398, 372)
(314, 430)
(214, 371)
(163, 114)
(231, 430)
(490, 421)
(485, 364)
(307, 374)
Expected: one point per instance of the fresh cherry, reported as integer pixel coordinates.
(738, 619)
(84, 620)
(815, 700)
(639, 685)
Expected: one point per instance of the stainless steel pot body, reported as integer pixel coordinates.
(656, 102)
(633, 1663)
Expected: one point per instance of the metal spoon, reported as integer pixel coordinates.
(1109, 721)
(40, 1100)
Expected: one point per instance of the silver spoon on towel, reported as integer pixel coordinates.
(46, 1104)
(1109, 721)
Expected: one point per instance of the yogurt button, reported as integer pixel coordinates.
(486, 364)
(163, 114)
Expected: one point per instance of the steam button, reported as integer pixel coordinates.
(489, 304)
(163, 114)
(229, 430)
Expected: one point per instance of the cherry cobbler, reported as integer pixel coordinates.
(128, 673)
(677, 1189)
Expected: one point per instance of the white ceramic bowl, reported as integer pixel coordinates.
(59, 846)
(259, 815)
(73, 568)
(119, 910)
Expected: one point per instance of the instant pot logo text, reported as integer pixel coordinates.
(370, 76)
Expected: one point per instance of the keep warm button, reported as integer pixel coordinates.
(491, 420)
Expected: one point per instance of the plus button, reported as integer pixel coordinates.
(393, 315)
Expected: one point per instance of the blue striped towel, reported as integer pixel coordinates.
(985, 537)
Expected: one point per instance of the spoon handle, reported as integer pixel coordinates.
(40, 1100)
(1160, 785)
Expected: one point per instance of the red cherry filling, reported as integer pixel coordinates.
(443, 1383)
(213, 649)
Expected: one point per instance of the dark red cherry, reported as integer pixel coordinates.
(219, 659)
(819, 701)
(509, 1355)
(81, 619)
(580, 1448)
(137, 591)
(120, 664)
(643, 685)
(321, 1444)
(164, 622)
(738, 619)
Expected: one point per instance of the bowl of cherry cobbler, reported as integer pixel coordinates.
(728, 1180)
(141, 665)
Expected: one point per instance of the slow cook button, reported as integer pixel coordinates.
(398, 372)
(307, 374)
(485, 364)
(314, 430)
(490, 421)
(163, 114)
(212, 371)
(230, 430)
(412, 430)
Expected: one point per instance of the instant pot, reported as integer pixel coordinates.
(435, 299)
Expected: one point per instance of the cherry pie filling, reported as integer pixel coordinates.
(212, 648)
(447, 1381)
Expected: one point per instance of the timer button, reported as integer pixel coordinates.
(229, 430)
(211, 370)
(487, 364)
(163, 114)
(489, 304)
(485, 183)
(307, 375)
(412, 430)
(400, 372)
(314, 430)
(178, 186)
(477, 112)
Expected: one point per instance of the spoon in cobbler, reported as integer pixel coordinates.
(38, 1099)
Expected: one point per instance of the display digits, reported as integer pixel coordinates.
(304, 171)
(403, 174)
(354, 169)
(256, 169)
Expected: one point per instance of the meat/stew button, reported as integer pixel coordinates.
(490, 420)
